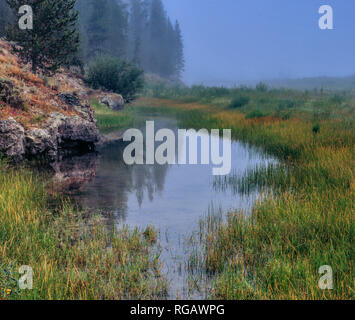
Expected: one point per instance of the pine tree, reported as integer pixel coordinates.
(136, 60)
(105, 27)
(83, 9)
(140, 32)
(5, 16)
(97, 28)
(168, 52)
(136, 30)
(117, 29)
(179, 52)
(158, 30)
(53, 39)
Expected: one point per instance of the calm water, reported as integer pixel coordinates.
(172, 198)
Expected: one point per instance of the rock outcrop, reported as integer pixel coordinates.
(60, 134)
(44, 117)
(12, 138)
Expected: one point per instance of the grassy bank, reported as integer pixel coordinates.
(308, 222)
(73, 256)
(110, 120)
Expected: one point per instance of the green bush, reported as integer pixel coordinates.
(337, 99)
(239, 101)
(262, 87)
(316, 128)
(255, 114)
(115, 75)
(286, 104)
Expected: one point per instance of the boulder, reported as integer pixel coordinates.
(77, 129)
(113, 101)
(12, 138)
(72, 132)
(39, 141)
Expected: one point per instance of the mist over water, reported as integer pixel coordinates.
(230, 42)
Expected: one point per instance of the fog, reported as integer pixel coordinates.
(234, 41)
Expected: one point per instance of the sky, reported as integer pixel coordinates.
(231, 41)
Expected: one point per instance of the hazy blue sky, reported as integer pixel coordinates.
(231, 40)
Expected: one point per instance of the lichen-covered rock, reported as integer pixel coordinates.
(12, 138)
(39, 141)
(77, 129)
(72, 132)
(113, 101)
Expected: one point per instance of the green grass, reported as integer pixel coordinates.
(255, 114)
(73, 256)
(109, 120)
(276, 253)
(306, 221)
(316, 103)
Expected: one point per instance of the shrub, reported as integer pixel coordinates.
(114, 75)
(283, 114)
(337, 99)
(286, 104)
(10, 95)
(316, 128)
(286, 115)
(130, 81)
(264, 100)
(255, 114)
(103, 72)
(262, 87)
(239, 101)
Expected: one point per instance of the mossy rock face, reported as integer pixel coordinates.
(10, 95)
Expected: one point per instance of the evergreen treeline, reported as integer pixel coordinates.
(138, 31)
(6, 16)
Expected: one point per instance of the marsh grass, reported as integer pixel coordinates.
(306, 222)
(110, 120)
(73, 255)
(273, 177)
(279, 102)
(276, 253)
